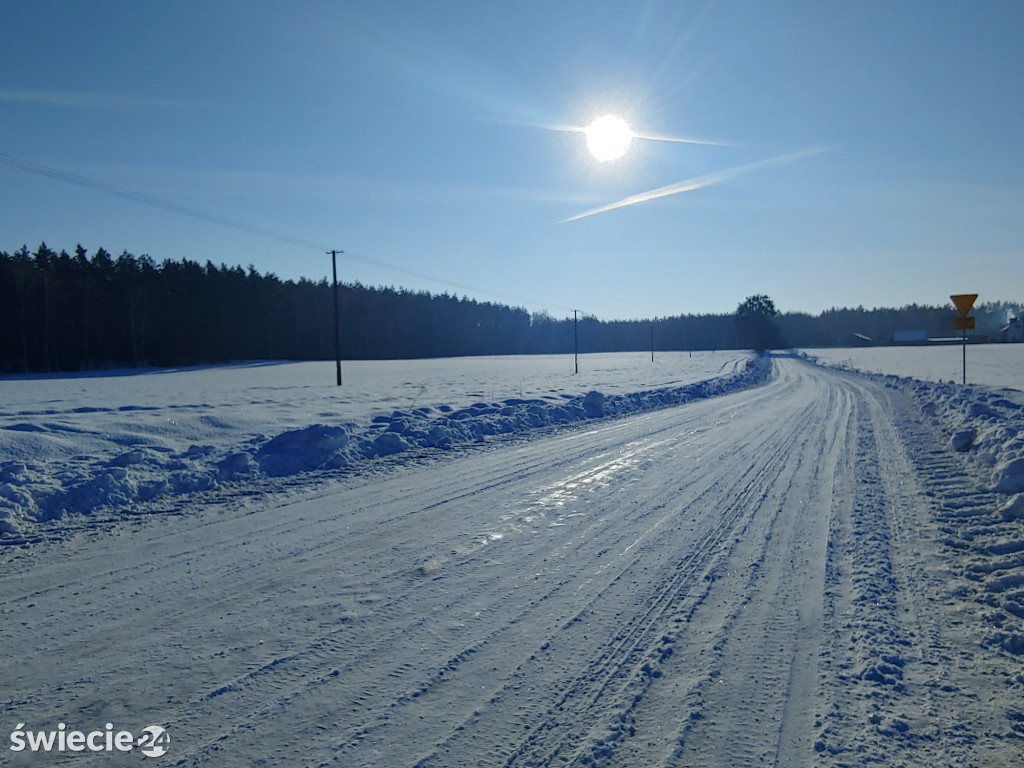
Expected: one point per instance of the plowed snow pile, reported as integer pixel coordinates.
(72, 446)
(980, 512)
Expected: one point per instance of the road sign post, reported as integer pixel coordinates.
(963, 303)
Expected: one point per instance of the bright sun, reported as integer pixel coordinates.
(608, 138)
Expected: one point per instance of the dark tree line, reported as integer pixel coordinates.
(70, 312)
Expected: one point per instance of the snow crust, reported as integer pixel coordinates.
(77, 444)
(834, 557)
(984, 423)
(989, 365)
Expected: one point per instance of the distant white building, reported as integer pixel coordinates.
(1012, 331)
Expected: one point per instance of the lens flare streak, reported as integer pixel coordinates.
(697, 182)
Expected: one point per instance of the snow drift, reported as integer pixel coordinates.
(983, 423)
(41, 486)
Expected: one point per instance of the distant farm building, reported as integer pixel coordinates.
(860, 340)
(1012, 331)
(909, 337)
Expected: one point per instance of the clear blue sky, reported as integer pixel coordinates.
(420, 135)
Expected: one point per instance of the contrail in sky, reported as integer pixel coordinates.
(697, 182)
(644, 136)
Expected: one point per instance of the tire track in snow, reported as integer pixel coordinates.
(909, 681)
(744, 697)
(404, 629)
(626, 663)
(963, 624)
(866, 657)
(690, 586)
(282, 668)
(509, 691)
(240, 561)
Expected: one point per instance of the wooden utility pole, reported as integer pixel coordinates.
(337, 334)
(575, 341)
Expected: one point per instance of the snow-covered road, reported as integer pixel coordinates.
(751, 579)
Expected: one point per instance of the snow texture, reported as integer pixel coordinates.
(824, 569)
(67, 447)
(983, 421)
(991, 365)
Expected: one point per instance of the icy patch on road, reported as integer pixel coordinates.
(48, 487)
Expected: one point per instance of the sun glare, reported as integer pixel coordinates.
(608, 138)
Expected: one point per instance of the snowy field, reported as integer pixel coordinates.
(718, 560)
(71, 445)
(991, 365)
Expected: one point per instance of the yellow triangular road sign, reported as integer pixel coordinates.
(964, 302)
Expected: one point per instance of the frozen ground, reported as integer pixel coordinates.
(73, 446)
(813, 567)
(991, 365)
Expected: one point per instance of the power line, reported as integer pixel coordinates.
(462, 287)
(241, 226)
(155, 202)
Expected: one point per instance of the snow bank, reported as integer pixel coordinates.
(990, 365)
(54, 476)
(968, 442)
(985, 424)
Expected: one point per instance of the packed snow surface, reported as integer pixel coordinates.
(725, 562)
(984, 422)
